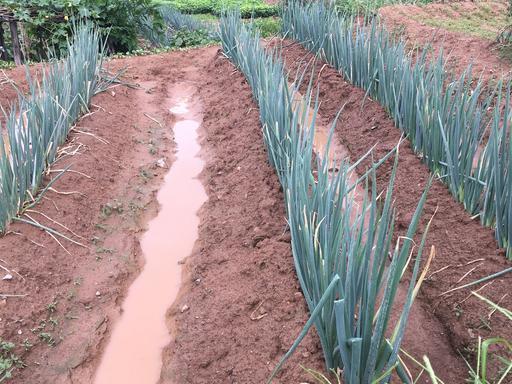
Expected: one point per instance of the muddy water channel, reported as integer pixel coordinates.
(133, 354)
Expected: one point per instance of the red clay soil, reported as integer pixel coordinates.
(465, 251)
(9, 78)
(240, 284)
(462, 49)
(245, 305)
(69, 299)
(15, 77)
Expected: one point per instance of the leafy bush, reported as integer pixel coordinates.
(190, 6)
(268, 26)
(47, 22)
(180, 30)
(184, 38)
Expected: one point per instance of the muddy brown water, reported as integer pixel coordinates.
(133, 354)
(324, 145)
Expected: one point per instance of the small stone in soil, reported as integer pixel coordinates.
(161, 163)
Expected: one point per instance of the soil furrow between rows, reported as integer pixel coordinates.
(240, 307)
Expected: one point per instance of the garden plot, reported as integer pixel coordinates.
(344, 253)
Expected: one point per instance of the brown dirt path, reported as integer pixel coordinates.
(461, 243)
(463, 49)
(245, 305)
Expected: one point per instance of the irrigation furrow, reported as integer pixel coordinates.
(170, 238)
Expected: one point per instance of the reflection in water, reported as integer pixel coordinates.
(180, 108)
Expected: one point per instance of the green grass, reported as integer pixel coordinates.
(505, 51)
(9, 361)
(482, 22)
(6, 64)
(206, 17)
(267, 26)
(248, 8)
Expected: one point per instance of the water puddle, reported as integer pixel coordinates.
(134, 353)
(180, 108)
(337, 152)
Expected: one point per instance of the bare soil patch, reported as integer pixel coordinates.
(465, 30)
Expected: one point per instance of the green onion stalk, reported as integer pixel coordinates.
(340, 250)
(38, 123)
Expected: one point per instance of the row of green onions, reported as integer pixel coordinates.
(341, 263)
(446, 118)
(39, 122)
(174, 21)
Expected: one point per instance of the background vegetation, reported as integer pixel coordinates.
(46, 25)
(248, 8)
(129, 26)
(370, 6)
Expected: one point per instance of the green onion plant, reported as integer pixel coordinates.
(495, 164)
(445, 118)
(340, 249)
(39, 122)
